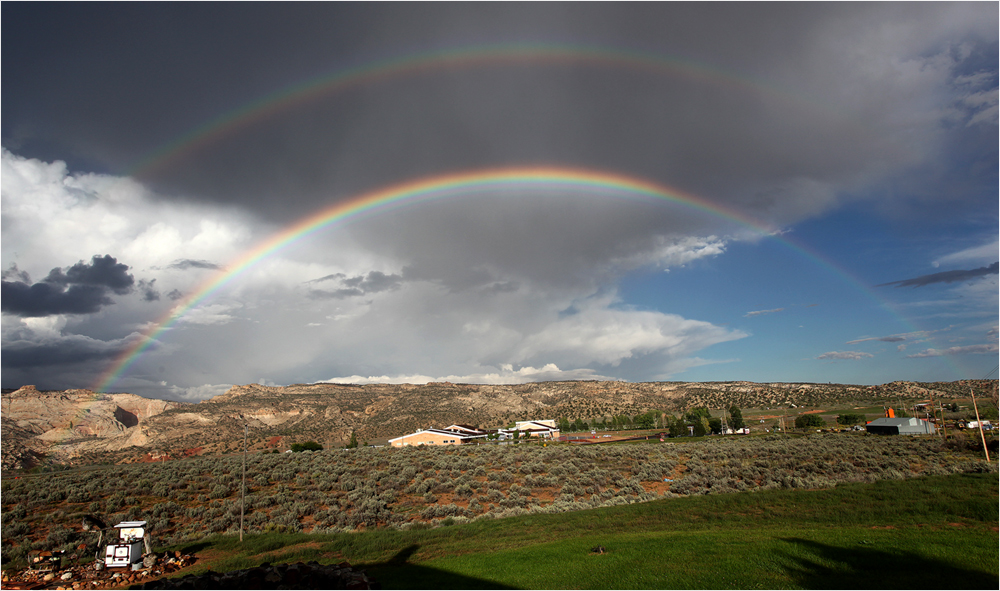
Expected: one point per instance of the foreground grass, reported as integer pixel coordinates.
(930, 532)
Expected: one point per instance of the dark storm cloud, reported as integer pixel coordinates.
(66, 351)
(701, 130)
(103, 271)
(47, 299)
(80, 289)
(945, 277)
(185, 264)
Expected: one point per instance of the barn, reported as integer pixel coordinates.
(900, 426)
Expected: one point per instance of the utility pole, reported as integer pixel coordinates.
(979, 422)
(243, 487)
(933, 414)
(944, 426)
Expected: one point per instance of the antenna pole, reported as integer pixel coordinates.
(243, 487)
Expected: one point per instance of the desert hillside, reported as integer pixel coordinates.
(83, 427)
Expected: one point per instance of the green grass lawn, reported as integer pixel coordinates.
(932, 532)
(771, 558)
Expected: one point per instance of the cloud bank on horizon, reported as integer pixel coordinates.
(827, 149)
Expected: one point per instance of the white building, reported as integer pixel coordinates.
(435, 437)
(545, 429)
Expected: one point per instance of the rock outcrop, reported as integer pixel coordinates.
(72, 422)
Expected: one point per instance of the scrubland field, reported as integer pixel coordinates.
(644, 502)
(931, 532)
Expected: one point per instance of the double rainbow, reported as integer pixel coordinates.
(550, 178)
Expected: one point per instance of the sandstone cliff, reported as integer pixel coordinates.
(73, 422)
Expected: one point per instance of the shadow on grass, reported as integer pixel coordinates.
(867, 568)
(398, 573)
(194, 547)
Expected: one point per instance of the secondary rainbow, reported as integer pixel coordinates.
(425, 63)
(435, 187)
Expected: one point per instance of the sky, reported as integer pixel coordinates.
(555, 191)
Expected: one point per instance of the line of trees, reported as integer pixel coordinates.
(700, 421)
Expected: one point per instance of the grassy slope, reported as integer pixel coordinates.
(931, 532)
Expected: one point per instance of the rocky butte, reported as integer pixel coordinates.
(84, 427)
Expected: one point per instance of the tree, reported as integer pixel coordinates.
(736, 418)
(715, 424)
(850, 419)
(694, 414)
(677, 427)
(809, 420)
(701, 427)
(308, 445)
(354, 441)
(645, 420)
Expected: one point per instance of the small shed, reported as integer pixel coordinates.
(900, 426)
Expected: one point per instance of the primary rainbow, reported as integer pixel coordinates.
(550, 178)
(546, 178)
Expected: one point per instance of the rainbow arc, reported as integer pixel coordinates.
(440, 187)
